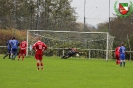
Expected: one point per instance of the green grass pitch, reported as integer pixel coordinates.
(65, 73)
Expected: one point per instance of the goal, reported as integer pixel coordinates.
(90, 44)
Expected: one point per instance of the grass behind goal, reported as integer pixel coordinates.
(65, 73)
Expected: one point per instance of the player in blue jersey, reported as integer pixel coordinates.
(122, 55)
(8, 44)
(14, 47)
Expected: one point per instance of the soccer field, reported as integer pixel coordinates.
(65, 73)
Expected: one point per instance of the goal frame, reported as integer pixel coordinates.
(107, 41)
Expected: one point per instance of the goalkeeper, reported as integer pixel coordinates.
(70, 53)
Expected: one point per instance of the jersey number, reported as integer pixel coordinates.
(123, 51)
(23, 45)
(40, 46)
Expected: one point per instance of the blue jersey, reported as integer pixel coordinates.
(8, 44)
(14, 44)
(122, 53)
(122, 50)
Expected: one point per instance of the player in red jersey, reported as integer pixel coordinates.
(39, 48)
(117, 55)
(22, 52)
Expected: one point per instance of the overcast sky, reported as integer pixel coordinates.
(96, 11)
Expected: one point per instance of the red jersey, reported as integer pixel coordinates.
(23, 45)
(39, 47)
(117, 50)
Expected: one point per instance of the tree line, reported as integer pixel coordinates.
(57, 15)
(121, 28)
(38, 15)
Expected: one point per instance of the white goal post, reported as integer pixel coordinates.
(91, 42)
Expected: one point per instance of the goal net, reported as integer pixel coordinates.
(89, 44)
